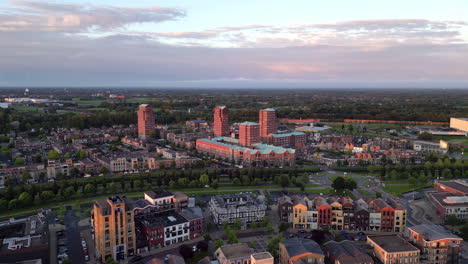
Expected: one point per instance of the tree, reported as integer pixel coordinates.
(217, 244)
(186, 251)
(284, 180)
(103, 170)
(265, 221)
(37, 199)
(25, 199)
(452, 220)
(25, 176)
(339, 183)
(89, 188)
(13, 204)
(69, 192)
(137, 184)
(215, 184)
(19, 161)
(237, 224)
(110, 260)
(425, 136)
(412, 180)
(47, 196)
(253, 225)
(283, 226)
(350, 184)
(53, 155)
(272, 246)
(204, 179)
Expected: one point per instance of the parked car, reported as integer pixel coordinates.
(86, 257)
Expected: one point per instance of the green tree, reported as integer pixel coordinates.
(19, 161)
(25, 199)
(53, 155)
(237, 224)
(47, 196)
(103, 170)
(253, 225)
(13, 204)
(89, 188)
(204, 179)
(339, 183)
(425, 136)
(217, 244)
(452, 220)
(284, 180)
(25, 176)
(69, 192)
(283, 226)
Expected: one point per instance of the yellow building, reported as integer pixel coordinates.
(337, 220)
(299, 216)
(300, 251)
(114, 228)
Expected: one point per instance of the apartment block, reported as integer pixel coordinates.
(244, 206)
(300, 251)
(393, 249)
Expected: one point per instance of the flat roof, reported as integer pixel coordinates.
(258, 147)
(433, 232)
(234, 251)
(392, 243)
(441, 198)
(262, 255)
(457, 185)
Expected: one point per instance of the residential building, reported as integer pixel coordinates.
(195, 217)
(261, 258)
(145, 121)
(268, 122)
(300, 251)
(176, 229)
(249, 133)
(114, 228)
(346, 252)
(342, 213)
(258, 154)
(234, 254)
(428, 147)
(393, 249)
(246, 207)
(221, 127)
(436, 244)
(459, 123)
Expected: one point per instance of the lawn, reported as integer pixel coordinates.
(404, 188)
(333, 177)
(87, 103)
(364, 192)
(27, 108)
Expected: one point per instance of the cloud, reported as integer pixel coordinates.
(62, 44)
(58, 17)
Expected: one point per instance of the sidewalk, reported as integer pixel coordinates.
(171, 247)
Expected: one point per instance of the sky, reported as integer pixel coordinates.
(242, 43)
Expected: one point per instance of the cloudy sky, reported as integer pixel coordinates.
(242, 43)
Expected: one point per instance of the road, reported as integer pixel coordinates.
(75, 251)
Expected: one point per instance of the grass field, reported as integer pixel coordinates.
(363, 192)
(87, 103)
(27, 108)
(404, 188)
(333, 177)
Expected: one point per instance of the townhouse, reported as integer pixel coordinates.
(341, 213)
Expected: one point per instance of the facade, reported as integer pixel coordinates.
(459, 123)
(341, 213)
(346, 252)
(145, 121)
(428, 147)
(393, 249)
(176, 229)
(447, 204)
(262, 258)
(287, 139)
(436, 244)
(249, 133)
(268, 122)
(257, 155)
(221, 126)
(244, 206)
(114, 228)
(300, 251)
(194, 216)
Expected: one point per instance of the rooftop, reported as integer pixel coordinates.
(158, 194)
(347, 252)
(298, 246)
(392, 243)
(288, 134)
(447, 199)
(258, 147)
(460, 186)
(236, 251)
(269, 109)
(262, 255)
(246, 123)
(433, 232)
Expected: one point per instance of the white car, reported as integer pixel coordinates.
(83, 243)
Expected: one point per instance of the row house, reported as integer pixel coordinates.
(15, 172)
(55, 167)
(303, 212)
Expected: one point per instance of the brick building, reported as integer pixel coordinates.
(393, 249)
(145, 121)
(268, 122)
(221, 127)
(249, 133)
